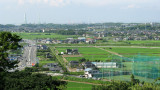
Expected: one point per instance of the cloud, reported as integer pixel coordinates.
(45, 1)
(131, 6)
(21, 2)
(56, 3)
(59, 3)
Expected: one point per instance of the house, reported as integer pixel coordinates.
(48, 55)
(72, 51)
(79, 69)
(74, 63)
(13, 58)
(75, 51)
(48, 42)
(53, 67)
(117, 39)
(44, 47)
(69, 51)
(105, 64)
(88, 65)
(70, 39)
(83, 39)
(50, 65)
(90, 41)
(91, 73)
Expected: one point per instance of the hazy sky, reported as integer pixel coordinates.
(79, 11)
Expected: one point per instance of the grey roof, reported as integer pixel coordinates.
(55, 68)
(74, 62)
(51, 65)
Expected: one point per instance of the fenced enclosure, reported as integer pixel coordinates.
(144, 68)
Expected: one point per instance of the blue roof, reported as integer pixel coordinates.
(88, 69)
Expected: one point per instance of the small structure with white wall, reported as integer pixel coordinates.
(105, 64)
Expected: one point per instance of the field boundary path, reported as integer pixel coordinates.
(112, 46)
(62, 60)
(111, 52)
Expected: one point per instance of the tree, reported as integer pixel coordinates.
(21, 80)
(8, 42)
(133, 80)
(24, 80)
(82, 60)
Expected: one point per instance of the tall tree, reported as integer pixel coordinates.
(8, 41)
(21, 80)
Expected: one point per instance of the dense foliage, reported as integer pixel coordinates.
(21, 80)
(25, 80)
(8, 42)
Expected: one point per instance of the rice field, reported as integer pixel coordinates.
(128, 52)
(89, 53)
(44, 35)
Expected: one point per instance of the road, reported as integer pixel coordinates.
(29, 56)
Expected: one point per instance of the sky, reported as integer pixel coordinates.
(78, 11)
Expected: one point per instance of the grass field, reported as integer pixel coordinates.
(128, 52)
(78, 86)
(43, 62)
(90, 53)
(44, 35)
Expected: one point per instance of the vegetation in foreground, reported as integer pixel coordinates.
(21, 80)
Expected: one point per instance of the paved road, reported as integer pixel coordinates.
(29, 55)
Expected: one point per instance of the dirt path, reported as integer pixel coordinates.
(111, 52)
(64, 59)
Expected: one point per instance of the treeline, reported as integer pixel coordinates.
(108, 26)
(25, 80)
(67, 32)
(134, 84)
(141, 27)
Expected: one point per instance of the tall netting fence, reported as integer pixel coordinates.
(144, 68)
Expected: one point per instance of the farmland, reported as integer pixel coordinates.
(93, 53)
(90, 53)
(44, 35)
(128, 52)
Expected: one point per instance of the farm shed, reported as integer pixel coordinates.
(105, 64)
